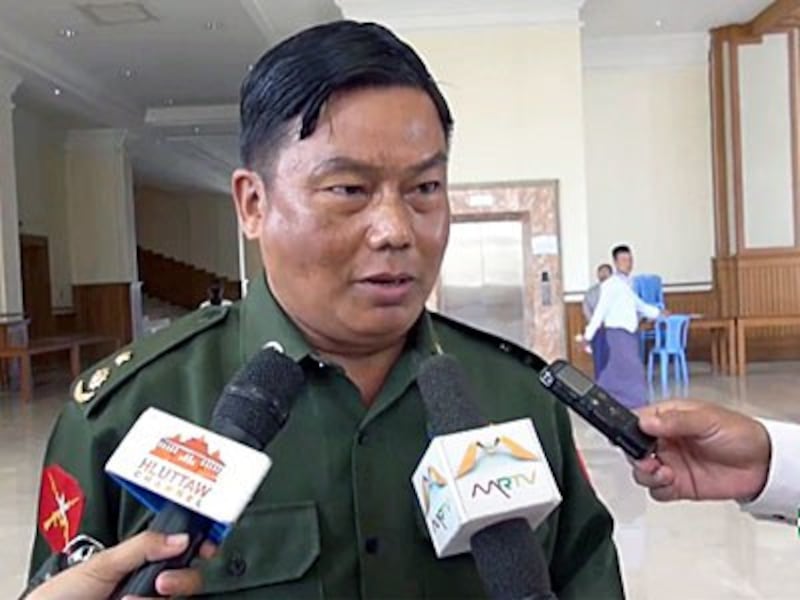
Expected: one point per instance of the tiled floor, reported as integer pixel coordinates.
(689, 551)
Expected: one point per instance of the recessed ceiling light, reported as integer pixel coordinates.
(127, 73)
(250, 67)
(169, 102)
(196, 130)
(658, 23)
(213, 25)
(56, 91)
(67, 33)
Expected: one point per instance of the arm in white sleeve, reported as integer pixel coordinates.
(600, 311)
(780, 498)
(650, 311)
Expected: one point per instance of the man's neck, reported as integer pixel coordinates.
(369, 371)
(367, 365)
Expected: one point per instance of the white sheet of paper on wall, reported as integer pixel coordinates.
(480, 200)
(544, 245)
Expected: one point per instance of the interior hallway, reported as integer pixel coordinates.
(707, 551)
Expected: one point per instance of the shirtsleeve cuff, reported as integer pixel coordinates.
(780, 498)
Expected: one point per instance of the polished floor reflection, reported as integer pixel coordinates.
(688, 551)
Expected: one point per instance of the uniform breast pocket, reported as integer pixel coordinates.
(271, 553)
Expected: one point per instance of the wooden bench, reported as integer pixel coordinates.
(51, 345)
(723, 340)
(742, 325)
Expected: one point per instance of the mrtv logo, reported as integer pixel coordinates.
(436, 500)
(184, 468)
(497, 468)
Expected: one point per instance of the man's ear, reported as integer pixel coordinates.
(250, 198)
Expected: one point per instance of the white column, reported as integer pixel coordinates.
(10, 271)
(100, 208)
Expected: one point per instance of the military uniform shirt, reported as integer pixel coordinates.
(336, 517)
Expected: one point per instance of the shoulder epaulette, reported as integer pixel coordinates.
(523, 355)
(101, 380)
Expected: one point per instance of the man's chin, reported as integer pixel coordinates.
(387, 321)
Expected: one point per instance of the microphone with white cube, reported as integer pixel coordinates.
(483, 488)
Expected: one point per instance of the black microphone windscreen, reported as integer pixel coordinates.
(448, 400)
(255, 405)
(510, 562)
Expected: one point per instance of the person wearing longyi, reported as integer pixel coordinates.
(598, 345)
(618, 312)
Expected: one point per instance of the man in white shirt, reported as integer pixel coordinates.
(619, 311)
(707, 452)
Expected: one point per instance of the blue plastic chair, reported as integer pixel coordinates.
(671, 337)
(650, 289)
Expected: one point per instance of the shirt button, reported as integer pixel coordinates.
(371, 545)
(237, 565)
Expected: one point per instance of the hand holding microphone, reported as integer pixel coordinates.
(97, 578)
(198, 481)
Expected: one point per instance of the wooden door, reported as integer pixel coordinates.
(36, 285)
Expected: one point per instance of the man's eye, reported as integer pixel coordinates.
(429, 187)
(348, 190)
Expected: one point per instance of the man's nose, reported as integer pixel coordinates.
(390, 223)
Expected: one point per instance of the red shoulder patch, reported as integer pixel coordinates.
(61, 504)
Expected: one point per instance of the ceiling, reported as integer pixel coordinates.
(169, 70)
(611, 18)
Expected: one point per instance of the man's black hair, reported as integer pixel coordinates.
(296, 77)
(606, 266)
(621, 249)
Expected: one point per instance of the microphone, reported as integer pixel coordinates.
(483, 487)
(198, 480)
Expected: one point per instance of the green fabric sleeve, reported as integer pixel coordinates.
(76, 447)
(584, 563)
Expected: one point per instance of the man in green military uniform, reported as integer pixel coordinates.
(345, 138)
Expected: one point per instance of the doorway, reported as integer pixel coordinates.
(483, 275)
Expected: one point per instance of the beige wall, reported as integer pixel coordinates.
(766, 143)
(196, 228)
(648, 168)
(516, 94)
(41, 192)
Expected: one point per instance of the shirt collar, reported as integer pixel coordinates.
(265, 322)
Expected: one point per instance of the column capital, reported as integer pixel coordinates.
(96, 138)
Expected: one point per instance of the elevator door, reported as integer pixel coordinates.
(483, 277)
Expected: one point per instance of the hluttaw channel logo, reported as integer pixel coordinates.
(187, 470)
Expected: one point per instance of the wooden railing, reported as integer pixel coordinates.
(177, 282)
(763, 284)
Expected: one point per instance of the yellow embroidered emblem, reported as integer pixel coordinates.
(80, 395)
(123, 357)
(98, 378)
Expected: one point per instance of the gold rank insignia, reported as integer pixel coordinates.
(98, 378)
(80, 395)
(85, 392)
(123, 357)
